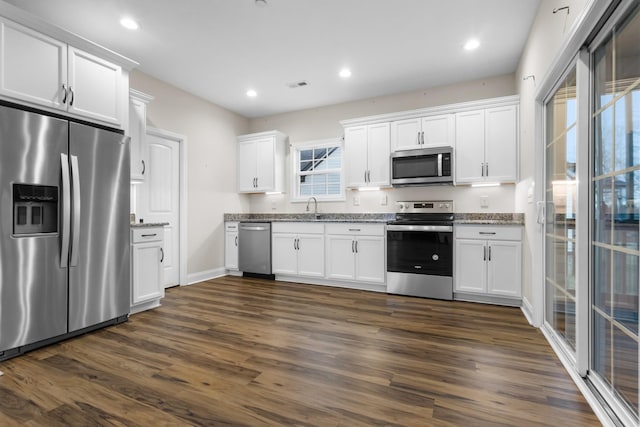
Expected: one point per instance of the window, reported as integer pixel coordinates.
(318, 170)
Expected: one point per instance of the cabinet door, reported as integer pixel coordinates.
(469, 146)
(405, 134)
(378, 149)
(311, 255)
(147, 279)
(138, 133)
(504, 268)
(231, 250)
(340, 257)
(501, 140)
(284, 255)
(370, 257)
(247, 162)
(355, 155)
(438, 131)
(95, 86)
(265, 165)
(33, 67)
(470, 272)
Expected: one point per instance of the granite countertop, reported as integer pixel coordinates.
(490, 218)
(148, 224)
(309, 217)
(460, 218)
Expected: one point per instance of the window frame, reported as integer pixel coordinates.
(296, 148)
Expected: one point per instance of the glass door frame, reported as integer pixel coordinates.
(579, 360)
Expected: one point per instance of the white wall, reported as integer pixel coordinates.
(211, 165)
(323, 123)
(548, 33)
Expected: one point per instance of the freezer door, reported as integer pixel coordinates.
(33, 285)
(99, 278)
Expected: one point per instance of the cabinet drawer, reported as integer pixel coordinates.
(143, 235)
(297, 227)
(231, 226)
(356, 228)
(488, 232)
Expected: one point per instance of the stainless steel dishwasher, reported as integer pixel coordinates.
(254, 248)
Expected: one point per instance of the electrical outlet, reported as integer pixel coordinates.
(484, 201)
(356, 200)
(383, 200)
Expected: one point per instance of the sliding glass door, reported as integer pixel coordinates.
(561, 212)
(615, 233)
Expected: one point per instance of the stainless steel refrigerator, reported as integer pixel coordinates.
(64, 228)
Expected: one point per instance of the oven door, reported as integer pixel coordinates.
(420, 249)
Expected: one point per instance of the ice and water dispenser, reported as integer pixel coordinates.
(35, 209)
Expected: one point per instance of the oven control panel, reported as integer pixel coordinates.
(431, 206)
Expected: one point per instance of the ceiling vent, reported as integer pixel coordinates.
(294, 85)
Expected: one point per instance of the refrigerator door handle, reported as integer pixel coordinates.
(66, 211)
(76, 211)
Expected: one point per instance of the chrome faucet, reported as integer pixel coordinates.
(315, 209)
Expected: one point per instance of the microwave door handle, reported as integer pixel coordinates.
(439, 164)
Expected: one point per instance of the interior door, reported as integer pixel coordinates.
(161, 199)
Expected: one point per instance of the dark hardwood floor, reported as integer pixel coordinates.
(236, 352)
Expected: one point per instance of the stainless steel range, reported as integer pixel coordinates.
(420, 249)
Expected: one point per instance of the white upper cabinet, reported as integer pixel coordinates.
(33, 66)
(423, 132)
(45, 72)
(487, 145)
(138, 132)
(94, 87)
(367, 155)
(261, 162)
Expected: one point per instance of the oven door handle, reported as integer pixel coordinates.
(422, 228)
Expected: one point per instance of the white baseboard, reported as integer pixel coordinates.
(527, 310)
(201, 276)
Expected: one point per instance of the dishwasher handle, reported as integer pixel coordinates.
(254, 227)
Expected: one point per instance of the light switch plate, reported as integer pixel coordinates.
(356, 200)
(383, 200)
(484, 201)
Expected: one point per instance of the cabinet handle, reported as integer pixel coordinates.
(481, 169)
(236, 241)
(418, 138)
(72, 96)
(144, 167)
(64, 98)
(150, 235)
(356, 246)
(354, 229)
(486, 232)
(162, 252)
(353, 246)
(257, 182)
(298, 243)
(422, 137)
(489, 253)
(487, 166)
(484, 253)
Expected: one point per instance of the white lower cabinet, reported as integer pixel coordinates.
(356, 252)
(488, 261)
(146, 268)
(297, 249)
(231, 246)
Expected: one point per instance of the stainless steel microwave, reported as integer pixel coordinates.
(424, 166)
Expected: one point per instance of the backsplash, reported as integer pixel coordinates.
(465, 199)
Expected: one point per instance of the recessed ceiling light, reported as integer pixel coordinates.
(252, 93)
(471, 44)
(345, 72)
(129, 23)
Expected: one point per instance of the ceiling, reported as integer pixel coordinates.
(219, 49)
